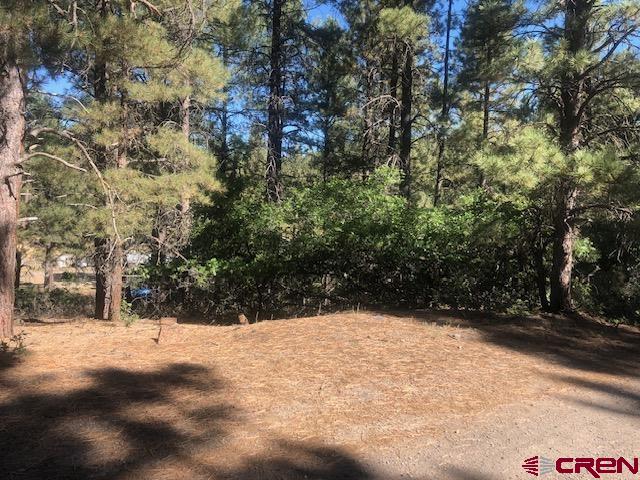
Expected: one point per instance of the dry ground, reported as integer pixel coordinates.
(350, 396)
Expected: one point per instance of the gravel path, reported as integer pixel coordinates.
(591, 419)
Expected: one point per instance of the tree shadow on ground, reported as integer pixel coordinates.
(99, 430)
(573, 341)
(124, 424)
(615, 399)
(297, 461)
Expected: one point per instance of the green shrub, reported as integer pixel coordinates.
(346, 242)
(32, 301)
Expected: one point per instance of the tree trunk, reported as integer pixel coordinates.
(102, 245)
(541, 273)
(393, 92)
(103, 280)
(572, 94)
(117, 268)
(185, 107)
(406, 121)
(366, 152)
(109, 287)
(564, 234)
(437, 191)
(275, 108)
(223, 150)
(12, 127)
(48, 267)
(486, 98)
(326, 150)
(18, 269)
(486, 109)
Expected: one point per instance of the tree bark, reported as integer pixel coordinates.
(185, 113)
(12, 128)
(116, 283)
(275, 109)
(406, 120)
(18, 269)
(223, 150)
(486, 100)
(48, 267)
(538, 250)
(393, 92)
(102, 245)
(564, 233)
(103, 280)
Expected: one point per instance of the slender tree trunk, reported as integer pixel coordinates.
(437, 191)
(406, 120)
(538, 250)
(12, 128)
(185, 107)
(393, 103)
(486, 98)
(116, 283)
(223, 150)
(486, 112)
(326, 150)
(541, 281)
(18, 269)
(102, 245)
(366, 154)
(275, 108)
(116, 262)
(48, 267)
(103, 279)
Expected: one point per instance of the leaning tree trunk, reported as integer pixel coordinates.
(275, 122)
(12, 125)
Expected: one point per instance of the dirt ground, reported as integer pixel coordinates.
(429, 395)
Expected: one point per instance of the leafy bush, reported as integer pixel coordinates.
(345, 242)
(32, 301)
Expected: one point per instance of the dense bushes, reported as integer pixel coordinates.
(34, 302)
(346, 242)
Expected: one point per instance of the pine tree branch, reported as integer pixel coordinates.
(56, 158)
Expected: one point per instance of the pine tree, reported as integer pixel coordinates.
(332, 98)
(138, 74)
(489, 51)
(30, 37)
(590, 64)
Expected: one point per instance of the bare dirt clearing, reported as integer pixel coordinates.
(358, 396)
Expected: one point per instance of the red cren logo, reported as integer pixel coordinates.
(537, 465)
